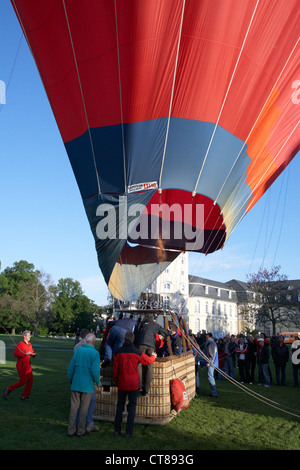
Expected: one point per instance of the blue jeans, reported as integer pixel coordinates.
(229, 366)
(90, 413)
(115, 340)
(264, 375)
(211, 379)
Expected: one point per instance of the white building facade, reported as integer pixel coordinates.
(212, 306)
(205, 304)
(173, 285)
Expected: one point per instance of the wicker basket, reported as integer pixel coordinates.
(156, 408)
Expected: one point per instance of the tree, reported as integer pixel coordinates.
(85, 313)
(35, 298)
(10, 317)
(24, 296)
(72, 309)
(274, 299)
(12, 276)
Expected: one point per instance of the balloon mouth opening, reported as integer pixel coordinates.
(175, 220)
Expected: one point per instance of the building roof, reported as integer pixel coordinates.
(235, 283)
(241, 289)
(201, 287)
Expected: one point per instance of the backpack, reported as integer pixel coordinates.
(179, 396)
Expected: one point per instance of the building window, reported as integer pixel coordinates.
(206, 307)
(219, 309)
(206, 289)
(167, 286)
(197, 306)
(197, 325)
(166, 302)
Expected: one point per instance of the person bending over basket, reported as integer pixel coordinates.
(145, 339)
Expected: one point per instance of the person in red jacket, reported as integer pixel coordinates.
(23, 351)
(126, 378)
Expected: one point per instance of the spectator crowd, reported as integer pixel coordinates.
(252, 356)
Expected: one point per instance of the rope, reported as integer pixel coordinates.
(255, 395)
(13, 67)
(253, 127)
(284, 205)
(225, 98)
(231, 212)
(121, 103)
(256, 186)
(82, 97)
(171, 100)
(283, 212)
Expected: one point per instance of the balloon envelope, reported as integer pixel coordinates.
(177, 115)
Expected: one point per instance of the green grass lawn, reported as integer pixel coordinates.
(233, 421)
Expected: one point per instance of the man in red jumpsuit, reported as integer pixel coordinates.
(23, 351)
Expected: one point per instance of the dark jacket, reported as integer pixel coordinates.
(176, 345)
(280, 354)
(252, 348)
(146, 331)
(125, 366)
(263, 355)
(231, 345)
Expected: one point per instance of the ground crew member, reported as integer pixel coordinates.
(24, 352)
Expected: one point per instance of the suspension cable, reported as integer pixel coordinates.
(252, 393)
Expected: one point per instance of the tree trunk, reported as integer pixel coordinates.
(35, 329)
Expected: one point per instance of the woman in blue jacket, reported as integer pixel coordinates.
(83, 373)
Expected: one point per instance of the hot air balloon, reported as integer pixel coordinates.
(176, 115)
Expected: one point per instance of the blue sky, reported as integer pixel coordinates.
(41, 212)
